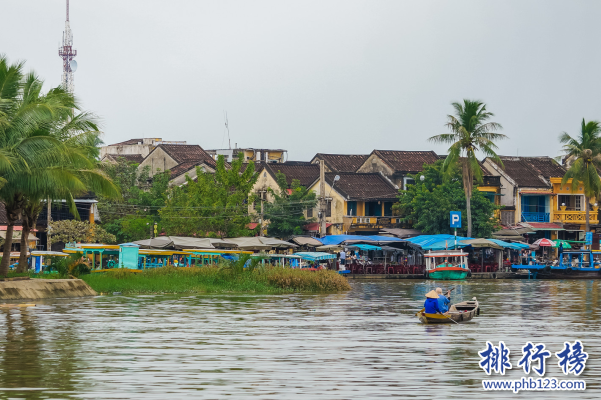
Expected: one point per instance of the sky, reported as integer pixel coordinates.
(324, 76)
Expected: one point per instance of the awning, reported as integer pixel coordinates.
(535, 192)
(17, 236)
(314, 227)
(306, 241)
(367, 247)
(545, 226)
(315, 256)
(401, 233)
(478, 243)
(252, 225)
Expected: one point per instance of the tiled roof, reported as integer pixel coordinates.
(132, 158)
(128, 142)
(306, 173)
(407, 161)
(532, 171)
(363, 187)
(342, 162)
(182, 153)
(185, 167)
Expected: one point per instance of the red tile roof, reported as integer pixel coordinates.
(132, 158)
(532, 171)
(306, 173)
(363, 187)
(185, 167)
(341, 162)
(406, 161)
(182, 153)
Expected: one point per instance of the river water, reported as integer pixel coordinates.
(362, 344)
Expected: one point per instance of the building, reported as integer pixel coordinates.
(131, 147)
(177, 158)
(115, 158)
(340, 162)
(357, 203)
(250, 154)
(532, 195)
(397, 165)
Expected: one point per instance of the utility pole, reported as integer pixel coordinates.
(261, 192)
(322, 193)
(48, 220)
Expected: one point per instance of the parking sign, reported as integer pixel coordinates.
(455, 219)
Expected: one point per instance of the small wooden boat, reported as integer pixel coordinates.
(460, 312)
(446, 265)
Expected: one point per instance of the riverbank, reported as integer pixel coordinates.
(44, 289)
(216, 280)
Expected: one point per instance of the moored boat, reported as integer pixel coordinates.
(446, 265)
(460, 312)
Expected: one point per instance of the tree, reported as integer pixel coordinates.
(471, 132)
(73, 231)
(215, 205)
(49, 152)
(286, 213)
(583, 154)
(132, 217)
(426, 204)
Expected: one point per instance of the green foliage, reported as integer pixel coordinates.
(286, 213)
(79, 231)
(471, 131)
(426, 205)
(215, 205)
(216, 279)
(132, 217)
(584, 157)
(70, 265)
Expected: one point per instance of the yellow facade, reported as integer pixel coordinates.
(566, 213)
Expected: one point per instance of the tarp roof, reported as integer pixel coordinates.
(350, 239)
(437, 242)
(477, 243)
(315, 256)
(303, 240)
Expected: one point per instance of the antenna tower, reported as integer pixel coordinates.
(227, 128)
(67, 53)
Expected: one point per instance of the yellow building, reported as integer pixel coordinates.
(356, 203)
(568, 208)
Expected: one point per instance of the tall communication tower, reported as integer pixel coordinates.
(67, 53)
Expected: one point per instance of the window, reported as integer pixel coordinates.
(578, 203)
(329, 208)
(408, 181)
(388, 209)
(351, 208)
(309, 213)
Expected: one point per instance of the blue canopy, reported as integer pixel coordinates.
(315, 256)
(437, 242)
(507, 245)
(366, 247)
(338, 239)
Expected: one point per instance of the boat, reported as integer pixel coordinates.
(446, 265)
(460, 312)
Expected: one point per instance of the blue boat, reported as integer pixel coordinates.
(571, 264)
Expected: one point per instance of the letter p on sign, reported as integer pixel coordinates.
(455, 219)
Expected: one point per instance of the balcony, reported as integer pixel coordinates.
(575, 217)
(373, 222)
(491, 181)
(535, 217)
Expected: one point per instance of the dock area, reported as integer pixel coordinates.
(475, 275)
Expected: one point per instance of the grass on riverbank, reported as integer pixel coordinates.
(216, 280)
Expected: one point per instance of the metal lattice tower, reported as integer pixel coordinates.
(67, 53)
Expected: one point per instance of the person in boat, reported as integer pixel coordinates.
(443, 301)
(431, 305)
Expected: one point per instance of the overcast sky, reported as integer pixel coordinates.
(320, 76)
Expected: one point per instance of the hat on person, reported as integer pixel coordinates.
(432, 294)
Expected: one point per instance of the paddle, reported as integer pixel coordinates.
(449, 318)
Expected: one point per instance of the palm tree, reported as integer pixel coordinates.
(583, 155)
(471, 132)
(45, 150)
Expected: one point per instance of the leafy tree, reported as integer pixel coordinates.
(78, 231)
(471, 132)
(45, 151)
(427, 204)
(286, 213)
(215, 205)
(132, 217)
(583, 154)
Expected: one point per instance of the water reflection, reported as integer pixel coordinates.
(362, 344)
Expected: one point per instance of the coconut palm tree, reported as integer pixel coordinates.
(471, 131)
(583, 156)
(44, 151)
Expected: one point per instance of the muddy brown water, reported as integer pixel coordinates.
(358, 345)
